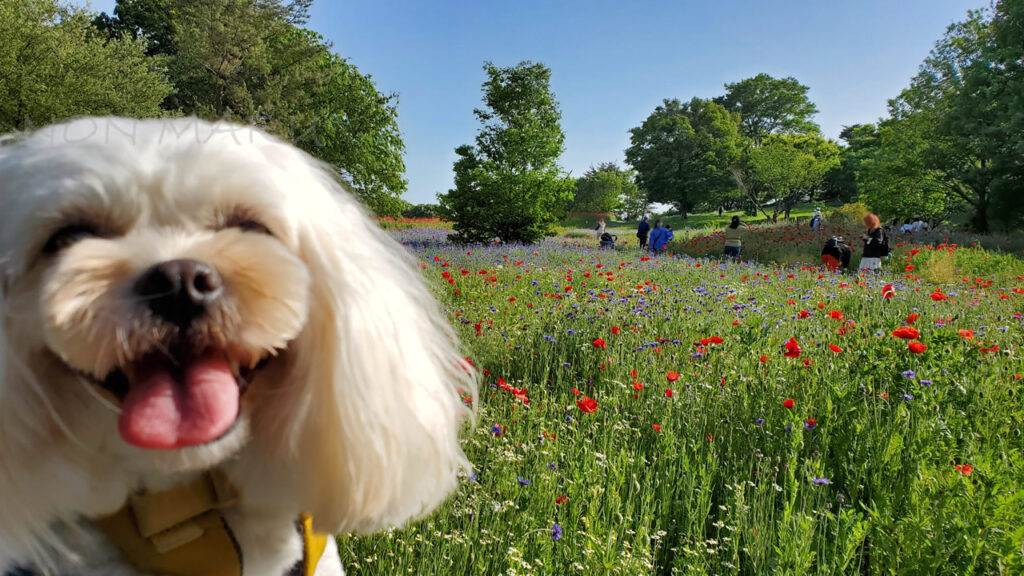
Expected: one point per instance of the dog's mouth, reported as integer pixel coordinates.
(176, 401)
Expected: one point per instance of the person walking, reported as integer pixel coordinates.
(600, 227)
(733, 239)
(876, 245)
(816, 219)
(658, 241)
(642, 231)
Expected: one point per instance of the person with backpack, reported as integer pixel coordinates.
(876, 244)
(642, 231)
(835, 254)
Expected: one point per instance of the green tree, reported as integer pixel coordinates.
(785, 169)
(351, 125)
(250, 61)
(509, 186)
(893, 177)
(964, 101)
(841, 182)
(53, 66)
(601, 189)
(682, 152)
(633, 202)
(768, 105)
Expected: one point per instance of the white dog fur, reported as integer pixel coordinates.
(356, 417)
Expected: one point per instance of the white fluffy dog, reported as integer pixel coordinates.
(185, 301)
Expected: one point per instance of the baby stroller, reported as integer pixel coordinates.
(608, 241)
(836, 254)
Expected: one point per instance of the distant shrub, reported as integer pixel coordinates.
(849, 214)
(422, 211)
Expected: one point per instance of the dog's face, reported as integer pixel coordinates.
(177, 295)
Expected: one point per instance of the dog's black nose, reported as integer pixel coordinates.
(179, 291)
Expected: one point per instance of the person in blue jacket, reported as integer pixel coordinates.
(660, 236)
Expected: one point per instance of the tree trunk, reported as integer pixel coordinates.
(787, 213)
(981, 217)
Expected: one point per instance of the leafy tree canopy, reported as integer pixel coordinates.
(54, 66)
(250, 61)
(683, 151)
(603, 189)
(768, 105)
(785, 169)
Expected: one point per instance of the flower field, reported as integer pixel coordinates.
(682, 416)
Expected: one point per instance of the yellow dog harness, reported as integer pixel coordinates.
(182, 532)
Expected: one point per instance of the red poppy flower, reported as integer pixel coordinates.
(888, 291)
(657, 427)
(789, 403)
(803, 314)
(913, 318)
(575, 392)
(637, 386)
(668, 393)
(835, 348)
(906, 333)
(632, 373)
(966, 334)
(792, 349)
(763, 359)
(835, 315)
(672, 376)
(937, 296)
(587, 405)
(511, 298)
(916, 347)
(561, 499)
(599, 343)
(964, 469)
(615, 330)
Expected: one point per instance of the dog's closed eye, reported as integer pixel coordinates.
(246, 222)
(68, 235)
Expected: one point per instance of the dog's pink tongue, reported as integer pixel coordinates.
(168, 409)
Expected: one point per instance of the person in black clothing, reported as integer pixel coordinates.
(642, 231)
(835, 254)
(876, 245)
(608, 240)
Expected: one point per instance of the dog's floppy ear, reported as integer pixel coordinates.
(379, 442)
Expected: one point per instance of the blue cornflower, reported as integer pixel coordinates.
(759, 421)
(556, 532)
(926, 382)
(908, 397)
(523, 481)
(821, 481)
(909, 374)
(497, 430)
(552, 466)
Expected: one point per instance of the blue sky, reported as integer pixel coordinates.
(613, 62)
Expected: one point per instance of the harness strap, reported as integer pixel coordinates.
(180, 531)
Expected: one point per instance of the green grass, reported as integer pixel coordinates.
(727, 486)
